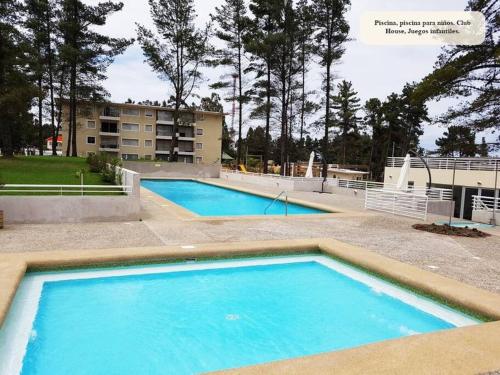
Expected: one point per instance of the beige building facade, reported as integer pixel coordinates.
(143, 132)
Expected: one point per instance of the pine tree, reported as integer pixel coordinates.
(374, 120)
(233, 25)
(346, 106)
(87, 54)
(332, 33)
(260, 42)
(177, 53)
(470, 72)
(16, 88)
(457, 141)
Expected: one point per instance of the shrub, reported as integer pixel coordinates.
(109, 172)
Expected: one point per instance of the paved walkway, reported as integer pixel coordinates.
(474, 261)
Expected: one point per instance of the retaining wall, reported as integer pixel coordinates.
(73, 209)
(167, 169)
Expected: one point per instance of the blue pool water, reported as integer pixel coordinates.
(210, 200)
(205, 320)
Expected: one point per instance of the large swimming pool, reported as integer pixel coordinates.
(188, 318)
(209, 200)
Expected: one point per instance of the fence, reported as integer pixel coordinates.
(29, 189)
(397, 203)
(478, 164)
(432, 193)
(485, 209)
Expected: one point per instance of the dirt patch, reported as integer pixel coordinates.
(451, 231)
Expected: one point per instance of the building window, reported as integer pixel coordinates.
(147, 157)
(130, 156)
(148, 143)
(85, 111)
(200, 117)
(165, 116)
(91, 140)
(130, 142)
(199, 160)
(148, 113)
(199, 131)
(130, 127)
(148, 128)
(91, 124)
(131, 111)
(199, 146)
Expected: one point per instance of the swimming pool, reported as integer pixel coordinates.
(194, 317)
(210, 200)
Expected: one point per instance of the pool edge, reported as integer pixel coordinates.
(479, 344)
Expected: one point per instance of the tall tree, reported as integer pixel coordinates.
(457, 141)
(16, 89)
(233, 24)
(471, 72)
(35, 24)
(374, 120)
(305, 17)
(87, 54)
(260, 42)
(346, 106)
(332, 33)
(177, 53)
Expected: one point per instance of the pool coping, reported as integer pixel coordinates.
(471, 349)
(186, 214)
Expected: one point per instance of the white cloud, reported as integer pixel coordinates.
(376, 71)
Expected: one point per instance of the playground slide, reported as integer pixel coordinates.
(242, 168)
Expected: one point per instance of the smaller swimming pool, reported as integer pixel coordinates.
(210, 200)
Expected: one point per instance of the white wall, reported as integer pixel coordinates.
(166, 169)
(73, 209)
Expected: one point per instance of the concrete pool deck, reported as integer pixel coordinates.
(464, 350)
(475, 261)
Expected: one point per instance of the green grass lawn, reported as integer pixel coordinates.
(46, 170)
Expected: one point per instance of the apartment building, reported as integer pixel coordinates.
(133, 132)
(473, 177)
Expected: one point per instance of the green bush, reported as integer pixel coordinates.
(106, 166)
(109, 173)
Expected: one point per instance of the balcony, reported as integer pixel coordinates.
(165, 117)
(110, 114)
(164, 133)
(162, 152)
(109, 147)
(109, 132)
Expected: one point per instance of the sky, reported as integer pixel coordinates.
(375, 71)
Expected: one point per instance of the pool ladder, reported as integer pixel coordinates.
(275, 199)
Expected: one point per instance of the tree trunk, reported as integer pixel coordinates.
(40, 117)
(240, 108)
(327, 114)
(268, 117)
(50, 70)
(173, 154)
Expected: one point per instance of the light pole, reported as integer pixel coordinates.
(495, 195)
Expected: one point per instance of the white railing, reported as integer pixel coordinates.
(480, 203)
(475, 164)
(433, 193)
(397, 203)
(63, 189)
(272, 175)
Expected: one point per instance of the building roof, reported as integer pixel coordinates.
(145, 106)
(226, 156)
(59, 138)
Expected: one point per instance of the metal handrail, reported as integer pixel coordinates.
(275, 199)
